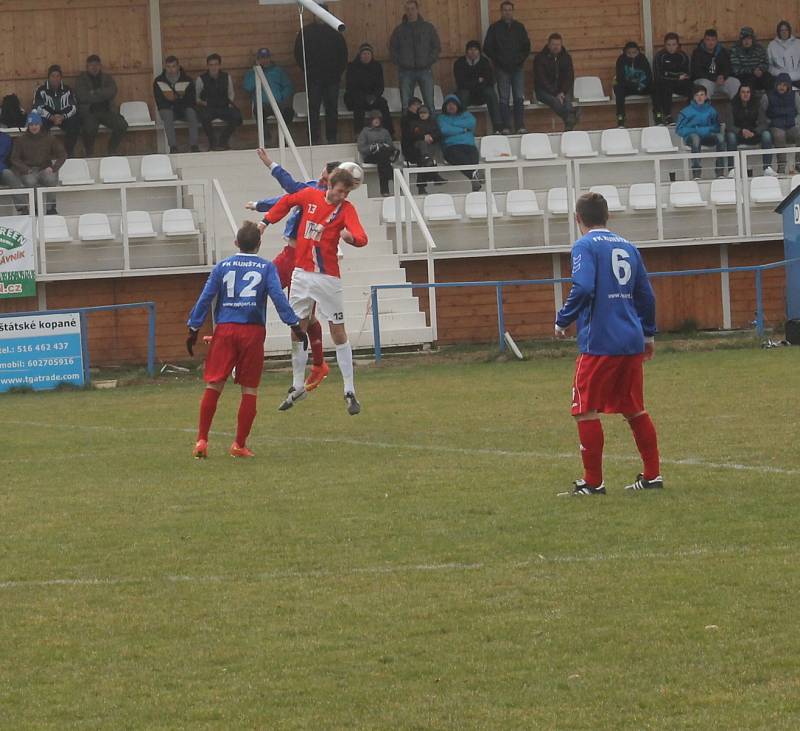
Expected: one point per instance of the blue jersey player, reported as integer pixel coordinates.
(613, 304)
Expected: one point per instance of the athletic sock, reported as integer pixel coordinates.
(208, 406)
(592, 440)
(344, 357)
(314, 333)
(644, 432)
(299, 360)
(247, 413)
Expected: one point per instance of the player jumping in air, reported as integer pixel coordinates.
(285, 260)
(241, 283)
(327, 216)
(613, 302)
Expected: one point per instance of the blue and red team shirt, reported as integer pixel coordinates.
(611, 297)
(241, 283)
(320, 226)
(290, 185)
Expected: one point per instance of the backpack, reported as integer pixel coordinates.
(11, 112)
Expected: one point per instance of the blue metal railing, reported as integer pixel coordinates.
(499, 284)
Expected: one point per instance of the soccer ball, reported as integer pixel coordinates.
(355, 170)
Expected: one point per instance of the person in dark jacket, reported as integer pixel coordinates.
(458, 138)
(633, 76)
(324, 63)
(56, 104)
(215, 95)
(419, 140)
(475, 82)
(7, 176)
(749, 61)
(174, 92)
(781, 107)
(711, 66)
(375, 146)
(671, 75)
(746, 125)
(553, 79)
(364, 89)
(96, 92)
(414, 47)
(508, 46)
(698, 125)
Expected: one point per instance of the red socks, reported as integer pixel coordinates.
(314, 332)
(208, 406)
(644, 432)
(247, 413)
(591, 436)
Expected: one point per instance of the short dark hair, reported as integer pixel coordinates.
(710, 33)
(592, 209)
(94, 58)
(412, 2)
(213, 57)
(672, 37)
(554, 37)
(342, 176)
(248, 237)
(699, 87)
(506, 3)
(331, 166)
(745, 85)
(170, 59)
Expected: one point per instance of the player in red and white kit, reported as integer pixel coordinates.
(326, 217)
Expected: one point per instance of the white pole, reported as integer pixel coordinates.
(323, 15)
(158, 60)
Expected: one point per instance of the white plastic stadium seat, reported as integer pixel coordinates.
(536, 146)
(440, 207)
(178, 222)
(389, 211)
(75, 172)
(577, 144)
(557, 202)
(140, 225)
(137, 114)
(475, 205)
(116, 170)
(55, 230)
(723, 192)
(393, 99)
(685, 194)
(764, 189)
(496, 148)
(157, 167)
(522, 203)
(94, 227)
(642, 197)
(617, 142)
(795, 181)
(300, 105)
(657, 139)
(589, 89)
(611, 194)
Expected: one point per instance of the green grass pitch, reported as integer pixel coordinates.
(409, 568)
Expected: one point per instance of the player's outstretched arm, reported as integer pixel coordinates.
(353, 232)
(285, 204)
(284, 178)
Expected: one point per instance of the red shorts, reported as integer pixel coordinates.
(239, 346)
(284, 263)
(610, 384)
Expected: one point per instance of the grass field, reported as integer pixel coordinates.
(410, 568)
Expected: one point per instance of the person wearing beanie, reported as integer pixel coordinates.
(749, 61)
(711, 66)
(364, 89)
(633, 76)
(375, 146)
(783, 53)
(475, 82)
(280, 85)
(781, 107)
(55, 102)
(96, 91)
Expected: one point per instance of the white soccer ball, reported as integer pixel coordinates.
(355, 170)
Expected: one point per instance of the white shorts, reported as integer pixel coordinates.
(309, 288)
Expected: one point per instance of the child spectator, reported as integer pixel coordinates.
(781, 106)
(458, 137)
(670, 76)
(634, 76)
(698, 125)
(375, 146)
(420, 137)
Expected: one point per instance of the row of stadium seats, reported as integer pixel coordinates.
(176, 222)
(136, 113)
(75, 171)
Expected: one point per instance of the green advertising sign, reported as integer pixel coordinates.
(17, 265)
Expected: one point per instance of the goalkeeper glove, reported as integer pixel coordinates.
(191, 340)
(300, 335)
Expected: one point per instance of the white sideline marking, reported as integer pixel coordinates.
(686, 461)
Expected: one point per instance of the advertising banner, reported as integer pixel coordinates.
(17, 263)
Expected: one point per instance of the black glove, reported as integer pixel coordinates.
(300, 335)
(191, 340)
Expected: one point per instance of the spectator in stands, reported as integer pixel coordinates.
(324, 63)
(457, 127)
(671, 75)
(364, 89)
(711, 66)
(375, 146)
(475, 82)
(414, 47)
(746, 125)
(55, 103)
(553, 79)
(420, 137)
(749, 61)
(508, 45)
(96, 92)
(698, 125)
(280, 85)
(175, 97)
(11, 112)
(35, 161)
(215, 100)
(781, 106)
(783, 53)
(633, 76)
(7, 177)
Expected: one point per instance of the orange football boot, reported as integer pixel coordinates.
(237, 451)
(318, 375)
(200, 450)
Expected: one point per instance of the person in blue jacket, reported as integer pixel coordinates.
(279, 83)
(458, 137)
(698, 125)
(615, 309)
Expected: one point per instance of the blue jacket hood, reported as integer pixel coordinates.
(452, 98)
